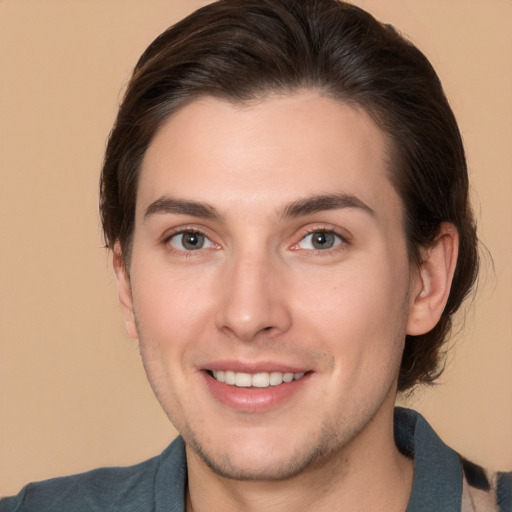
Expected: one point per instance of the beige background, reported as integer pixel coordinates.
(72, 392)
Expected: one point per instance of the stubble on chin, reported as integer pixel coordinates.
(324, 449)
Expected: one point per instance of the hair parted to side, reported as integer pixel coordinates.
(241, 50)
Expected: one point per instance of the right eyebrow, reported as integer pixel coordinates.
(166, 204)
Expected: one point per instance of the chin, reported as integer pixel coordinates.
(255, 468)
(271, 461)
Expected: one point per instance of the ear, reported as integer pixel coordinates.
(434, 280)
(124, 291)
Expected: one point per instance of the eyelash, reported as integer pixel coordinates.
(186, 231)
(340, 243)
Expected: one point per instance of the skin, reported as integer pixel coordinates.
(257, 292)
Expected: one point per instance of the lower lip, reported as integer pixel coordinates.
(254, 400)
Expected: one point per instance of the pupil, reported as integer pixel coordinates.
(323, 240)
(193, 241)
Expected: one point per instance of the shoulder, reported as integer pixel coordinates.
(129, 489)
(100, 489)
(443, 479)
(483, 491)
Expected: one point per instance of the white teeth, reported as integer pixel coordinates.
(243, 380)
(256, 380)
(276, 378)
(260, 380)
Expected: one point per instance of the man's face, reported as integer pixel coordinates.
(269, 246)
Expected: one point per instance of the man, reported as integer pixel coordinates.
(286, 197)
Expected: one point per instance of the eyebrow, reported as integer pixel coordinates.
(167, 204)
(299, 208)
(320, 203)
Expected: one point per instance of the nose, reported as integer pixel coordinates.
(253, 299)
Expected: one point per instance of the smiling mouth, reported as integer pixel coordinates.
(255, 380)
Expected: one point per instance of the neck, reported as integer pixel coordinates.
(368, 475)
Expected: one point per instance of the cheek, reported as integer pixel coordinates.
(359, 313)
(170, 313)
(170, 304)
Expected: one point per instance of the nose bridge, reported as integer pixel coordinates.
(252, 299)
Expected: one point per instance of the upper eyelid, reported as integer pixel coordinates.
(301, 233)
(167, 242)
(326, 231)
(170, 233)
(345, 240)
(342, 233)
(336, 234)
(184, 231)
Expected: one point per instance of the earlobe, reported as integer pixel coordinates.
(124, 292)
(434, 281)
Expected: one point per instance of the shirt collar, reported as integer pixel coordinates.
(437, 482)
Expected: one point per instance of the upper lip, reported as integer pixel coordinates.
(254, 367)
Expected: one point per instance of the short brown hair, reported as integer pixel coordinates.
(243, 49)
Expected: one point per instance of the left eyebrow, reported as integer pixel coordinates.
(321, 203)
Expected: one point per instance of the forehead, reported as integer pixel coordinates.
(274, 150)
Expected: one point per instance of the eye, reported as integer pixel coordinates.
(320, 240)
(190, 241)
